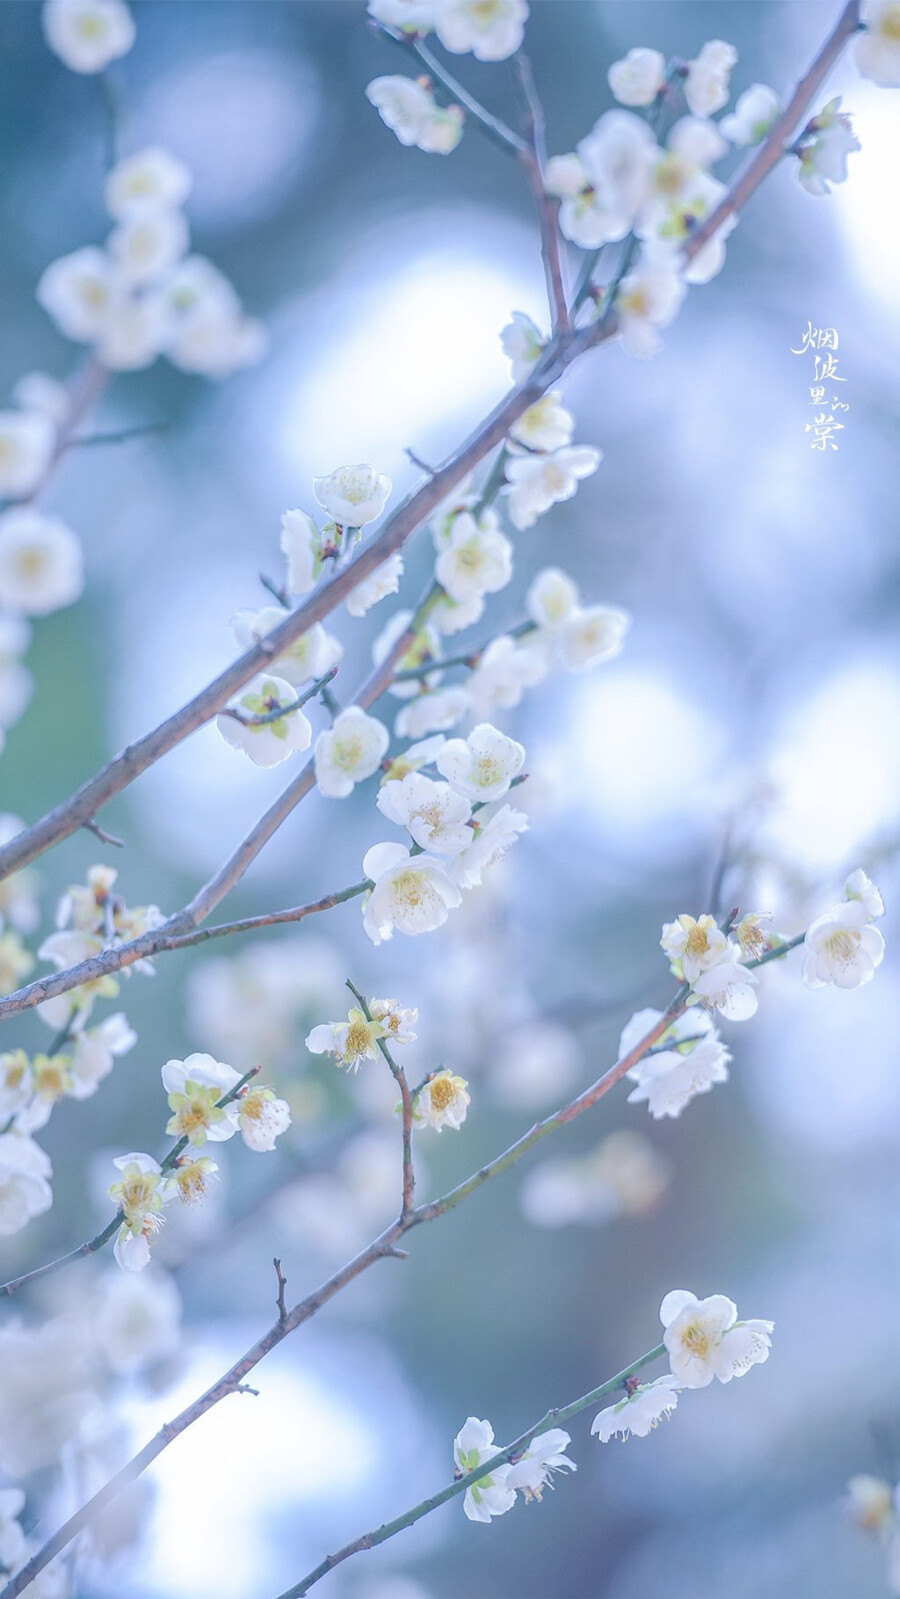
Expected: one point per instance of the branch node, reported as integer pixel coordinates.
(282, 1285)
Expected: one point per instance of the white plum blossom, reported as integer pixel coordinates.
(483, 765)
(88, 34)
(591, 634)
(706, 87)
(693, 946)
(262, 1118)
(349, 751)
(523, 344)
(755, 114)
(137, 1319)
(491, 29)
(139, 1196)
(505, 669)
(878, 48)
(676, 1070)
(642, 1409)
(377, 586)
(649, 297)
(353, 495)
(859, 887)
(408, 107)
(638, 77)
(411, 16)
(546, 425)
(603, 186)
(538, 481)
(79, 291)
(870, 1503)
(435, 816)
(532, 1471)
(452, 616)
(271, 742)
(825, 144)
(145, 247)
(194, 1086)
(842, 947)
(474, 560)
(94, 1051)
(134, 334)
(551, 598)
(414, 758)
(669, 220)
(27, 440)
(442, 1101)
(310, 656)
(705, 1340)
(729, 988)
(204, 326)
(301, 545)
(698, 140)
(493, 839)
(491, 1495)
(38, 391)
(146, 183)
(411, 893)
(350, 1042)
(397, 1020)
(25, 1173)
(433, 712)
(41, 564)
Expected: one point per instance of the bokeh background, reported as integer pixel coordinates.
(761, 682)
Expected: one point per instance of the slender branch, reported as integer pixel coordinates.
(406, 1106)
(779, 950)
(772, 149)
(103, 835)
(383, 1247)
(460, 1484)
(91, 1245)
(470, 659)
(282, 1286)
(117, 436)
(265, 717)
(492, 126)
(534, 160)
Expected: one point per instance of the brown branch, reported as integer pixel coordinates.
(282, 1285)
(534, 160)
(773, 147)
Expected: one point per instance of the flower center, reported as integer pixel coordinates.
(441, 1091)
(697, 942)
(841, 947)
(357, 1038)
(697, 1341)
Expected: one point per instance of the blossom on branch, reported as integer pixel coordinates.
(397, 1020)
(639, 1412)
(349, 751)
(139, 1195)
(25, 1173)
(494, 838)
(878, 48)
(310, 656)
(27, 440)
(706, 87)
(377, 586)
(638, 77)
(88, 34)
(689, 1059)
(532, 1471)
(194, 1086)
(705, 1340)
(491, 1495)
(353, 495)
(350, 1042)
(41, 564)
(442, 1101)
(535, 482)
(524, 345)
(150, 182)
(824, 145)
(483, 765)
(262, 1117)
(267, 742)
(411, 893)
(434, 814)
(755, 114)
(407, 106)
(842, 947)
(491, 29)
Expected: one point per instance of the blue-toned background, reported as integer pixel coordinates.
(761, 679)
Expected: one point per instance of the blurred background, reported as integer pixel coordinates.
(759, 693)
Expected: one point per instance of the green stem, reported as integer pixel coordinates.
(779, 950)
(279, 711)
(389, 1529)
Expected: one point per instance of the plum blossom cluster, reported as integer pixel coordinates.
(705, 1342)
(143, 294)
(209, 1102)
(92, 917)
(491, 30)
(440, 1101)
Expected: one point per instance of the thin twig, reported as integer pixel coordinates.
(282, 1285)
(103, 835)
(406, 1108)
(492, 125)
(275, 715)
(534, 160)
(117, 436)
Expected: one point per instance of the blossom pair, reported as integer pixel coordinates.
(529, 1471)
